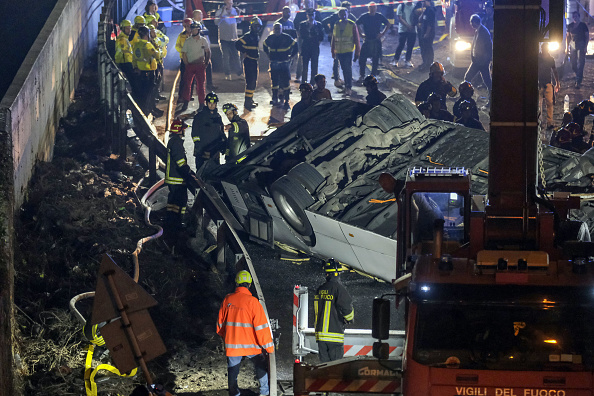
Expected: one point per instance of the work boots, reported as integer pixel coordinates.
(286, 106)
(274, 100)
(249, 103)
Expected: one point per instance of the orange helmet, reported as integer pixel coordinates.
(178, 126)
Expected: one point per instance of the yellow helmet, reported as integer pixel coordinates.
(243, 277)
(139, 19)
(125, 23)
(149, 19)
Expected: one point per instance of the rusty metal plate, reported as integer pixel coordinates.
(133, 296)
(120, 347)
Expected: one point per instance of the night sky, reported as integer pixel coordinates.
(22, 21)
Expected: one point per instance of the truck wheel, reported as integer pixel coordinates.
(307, 175)
(291, 199)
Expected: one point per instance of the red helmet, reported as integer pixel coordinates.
(178, 126)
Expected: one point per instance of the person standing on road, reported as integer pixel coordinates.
(247, 45)
(179, 45)
(426, 33)
(139, 22)
(197, 17)
(239, 133)
(208, 134)
(196, 55)
(281, 48)
(372, 22)
(226, 19)
(374, 95)
(328, 24)
(406, 32)
(548, 82)
(312, 34)
(481, 53)
(144, 61)
(577, 39)
(243, 325)
(177, 169)
(345, 41)
(435, 83)
(300, 17)
(333, 308)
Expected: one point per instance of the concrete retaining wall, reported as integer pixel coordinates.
(29, 117)
(44, 85)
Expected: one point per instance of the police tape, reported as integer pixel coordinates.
(320, 9)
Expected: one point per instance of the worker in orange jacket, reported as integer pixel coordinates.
(245, 330)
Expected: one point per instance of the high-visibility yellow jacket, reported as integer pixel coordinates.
(123, 49)
(145, 56)
(160, 43)
(343, 41)
(243, 325)
(179, 43)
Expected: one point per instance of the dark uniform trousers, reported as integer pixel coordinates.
(330, 351)
(308, 54)
(250, 69)
(371, 48)
(145, 90)
(177, 199)
(280, 74)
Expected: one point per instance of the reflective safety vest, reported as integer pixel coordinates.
(161, 42)
(145, 56)
(179, 44)
(123, 49)
(243, 324)
(343, 39)
(333, 307)
(176, 158)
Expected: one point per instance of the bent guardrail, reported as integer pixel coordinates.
(119, 105)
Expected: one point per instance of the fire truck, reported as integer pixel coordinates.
(497, 290)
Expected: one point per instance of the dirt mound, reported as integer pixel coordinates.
(79, 206)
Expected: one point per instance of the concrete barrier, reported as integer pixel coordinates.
(29, 117)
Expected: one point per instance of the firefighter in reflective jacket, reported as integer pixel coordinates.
(333, 308)
(280, 48)
(123, 52)
(177, 169)
(245, 331)
(247, 45)
(208, 135)
(239, 133)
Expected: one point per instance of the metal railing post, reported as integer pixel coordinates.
(221, 244)
(109, 98)
(122, 127)
(152, 163)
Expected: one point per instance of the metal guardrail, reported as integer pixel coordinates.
(118, 104)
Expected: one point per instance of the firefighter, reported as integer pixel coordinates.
(145, 61)
(466, 117)
(239, 133)
(208, 134)
(466, 92)
(177, 169)
(374, 95)
(280, 48)
(159, 41)
(247, 45)
(437, 111)
(245, 331)
(435, 83)
(333, 308)
(123, 54)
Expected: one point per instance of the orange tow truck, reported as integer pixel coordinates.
(497, 290)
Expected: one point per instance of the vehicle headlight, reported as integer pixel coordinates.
(553, 46)
(462, 45)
